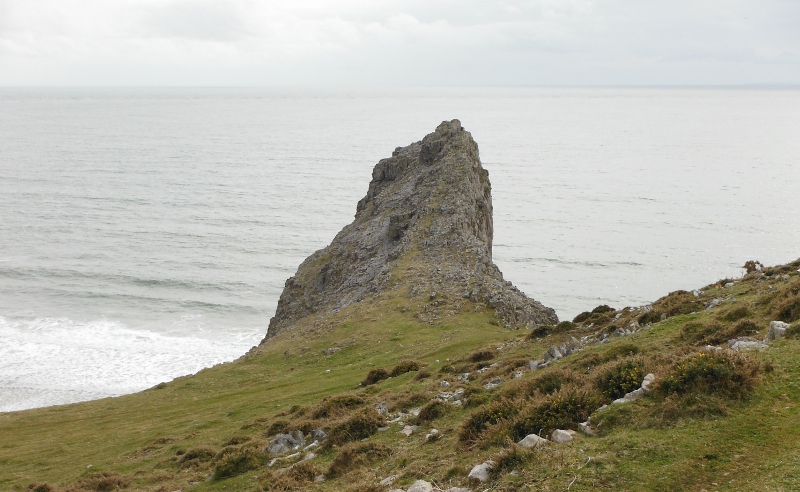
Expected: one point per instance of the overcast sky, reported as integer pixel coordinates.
(398, 42)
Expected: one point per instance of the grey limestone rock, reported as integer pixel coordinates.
(481, 472)
(776, 330)
(532, 441)
(431, 199)
(561, 436)
(420, 486)
(283, 443)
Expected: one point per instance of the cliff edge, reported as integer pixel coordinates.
(425, 225)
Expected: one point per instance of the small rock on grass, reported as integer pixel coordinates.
(388, 480)
(561, 436)
(420, 486)
(532, 441)
(776, 330)
(481, 472)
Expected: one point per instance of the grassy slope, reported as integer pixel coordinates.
(755, 445)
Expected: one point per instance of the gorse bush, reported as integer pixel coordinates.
(735, 314)
(238, 461)
(353, 456)
(404, 367)
(725, 373)
(360, 426)
(433, 410)
(512, 459)
(550, 381)
(715, 333)
(100, 482)
(480, 420)
(375, 376)
(563, 410)
(483, 355)
(621, 378)
(332, 407)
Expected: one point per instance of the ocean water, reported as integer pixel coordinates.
(147, 233)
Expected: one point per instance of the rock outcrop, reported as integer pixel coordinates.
(425, 225)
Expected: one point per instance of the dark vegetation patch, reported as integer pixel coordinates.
(435, 409)
(788, 308)
(405, 366)
(42, 487)
(621, 378)
(356, 455)
(375, 376)
(238, 439)
(562, 410)
(197, 456)
(725, 373)
(100, 482)
(735, 314)
(236, 460)
(513, 458)
(407, 400)
(360, 426)
(549, 381)
(297, 477)
(715, 333)
(336, 406)
(423, 374)
(277, 427)
(491, 414)
(483, 355)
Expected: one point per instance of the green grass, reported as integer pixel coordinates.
(162, 439)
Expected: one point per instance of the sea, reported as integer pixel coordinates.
(146, 233)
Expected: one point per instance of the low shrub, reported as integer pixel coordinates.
(582, 317)
(360, 426)
(550, 381)
(735, 314)
(236, 440)
(715, 334)
(564, 326)
(476, 396)
(100, 482)
(197, 455)
(41, 487)
(336, 406)
(788, 309)
(375, 376)
(603, 308)
(620, 351)
(483, 355)
(405, 366)
(620, 379)
(408, 400)
(726, 373)
(423, 374)
(277, 427)
(436, 409)
(563, 410)
(514, 458)
(793, 331)
(490, 414)
(540, 331)
(234, 462)
(353, 456)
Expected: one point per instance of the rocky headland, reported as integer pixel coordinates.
(424, 227)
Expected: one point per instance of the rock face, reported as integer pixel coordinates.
(427, 215)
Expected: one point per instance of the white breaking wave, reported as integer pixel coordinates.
(53, 361)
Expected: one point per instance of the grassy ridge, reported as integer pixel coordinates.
(669, 440)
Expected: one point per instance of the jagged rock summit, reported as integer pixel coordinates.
(425, 228)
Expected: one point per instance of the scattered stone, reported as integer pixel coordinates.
(463, 376)
(383, 429)
(532, 441)
(458, 489)
(552, 354)
(745, 343)
(561, 436)
(311, 446)
(331, 350)
(420, 486)
(517, 374)
(714, 303)
(283, 443)
(696, 293)
(433, 435)
(408, 430)
(318, 435)
(481, 472)
(533, 365)
(309, 456)
(415, 411)
(647, 381)
(444, 384)
(494, 383)
(776, 330)
(388, 480)
(729, 284)
(587, 429)
(382, 408)
(319, 479)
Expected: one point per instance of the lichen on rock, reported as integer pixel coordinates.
(425, 225)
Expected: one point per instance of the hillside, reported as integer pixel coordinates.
(391, 333)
